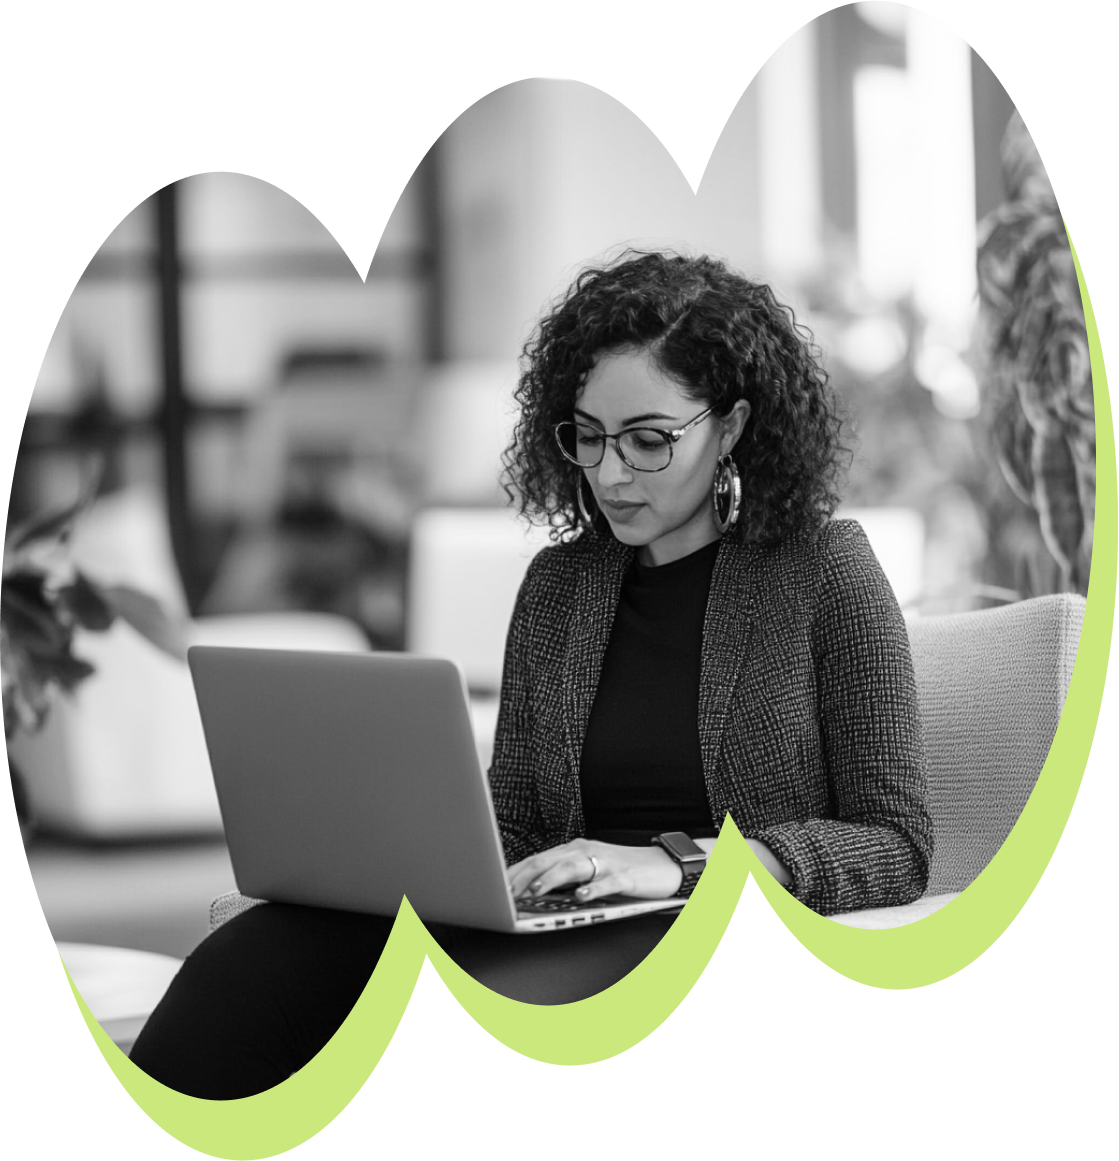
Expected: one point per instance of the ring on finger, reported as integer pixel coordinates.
(594, 872)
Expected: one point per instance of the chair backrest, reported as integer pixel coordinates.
(466, 567)
(991, 686)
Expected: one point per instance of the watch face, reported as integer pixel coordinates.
(681, 847)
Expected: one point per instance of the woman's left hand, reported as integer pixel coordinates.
(640, 872)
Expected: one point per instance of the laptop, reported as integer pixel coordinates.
(350, 780)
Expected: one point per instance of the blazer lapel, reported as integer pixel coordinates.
(731, 615)
(596, 601)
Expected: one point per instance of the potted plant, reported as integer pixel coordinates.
(45, 599)
(1039, 368)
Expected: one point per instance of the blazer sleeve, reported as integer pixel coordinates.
(512, 772)
(876, 850)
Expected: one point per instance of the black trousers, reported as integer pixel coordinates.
(258, 998)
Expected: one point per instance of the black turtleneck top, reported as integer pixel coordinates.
(641, 772)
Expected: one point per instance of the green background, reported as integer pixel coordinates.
(1016, 982)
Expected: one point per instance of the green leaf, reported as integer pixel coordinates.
(29, 621)
(64, 669)
(23, 712)
(149, 618)
(31, 582)
(30, 668)
(87, 604)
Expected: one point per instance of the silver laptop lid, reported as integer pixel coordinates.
(349, 780)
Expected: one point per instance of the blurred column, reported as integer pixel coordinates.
(838, 39)
(944, 189)
(602, 180)
(479, 206)
(487, 200)
(429, 181)
(885, 186)
(173, 405)
(789, 159)
(729, 214)
(991, 111)
(944, 283)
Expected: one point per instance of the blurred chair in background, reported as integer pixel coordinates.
(328, 485)
(466, 567)
(468, 551)
(462, 424)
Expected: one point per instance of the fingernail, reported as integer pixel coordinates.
(582, 892)
(535, 888)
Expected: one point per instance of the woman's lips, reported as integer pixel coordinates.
(621, 511)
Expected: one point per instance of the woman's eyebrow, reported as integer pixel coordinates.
(633, 418)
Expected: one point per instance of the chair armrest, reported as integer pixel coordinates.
(879, 917)
(229, 906)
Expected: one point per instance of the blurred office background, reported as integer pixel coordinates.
(279, 439)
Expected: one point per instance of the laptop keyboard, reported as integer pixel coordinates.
(558, 901)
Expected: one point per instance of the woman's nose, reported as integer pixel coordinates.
(613, 469)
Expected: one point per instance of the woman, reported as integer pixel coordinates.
(756, 663)
(703, 641)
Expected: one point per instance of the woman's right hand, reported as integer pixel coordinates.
(639, 872)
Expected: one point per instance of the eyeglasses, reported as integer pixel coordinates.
(644, 449)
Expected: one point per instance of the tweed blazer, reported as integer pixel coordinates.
(809, 730)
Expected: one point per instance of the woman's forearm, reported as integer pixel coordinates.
(765, 856)
(771, 862)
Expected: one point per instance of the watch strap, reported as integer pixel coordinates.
(691, 866)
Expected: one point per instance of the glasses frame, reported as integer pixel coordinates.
(672, 437)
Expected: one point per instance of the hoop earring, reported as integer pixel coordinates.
(588, 519)
(727, 493)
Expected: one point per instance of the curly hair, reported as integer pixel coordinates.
(721, 338)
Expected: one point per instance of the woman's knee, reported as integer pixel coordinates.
(258, 998)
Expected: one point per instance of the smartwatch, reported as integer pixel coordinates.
(691, 857)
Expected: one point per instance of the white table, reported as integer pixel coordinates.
(120, 985)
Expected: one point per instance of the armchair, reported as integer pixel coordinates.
(991, 687)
